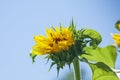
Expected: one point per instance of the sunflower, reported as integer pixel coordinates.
(116, 38)
(56, 40)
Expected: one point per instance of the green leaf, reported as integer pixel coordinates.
(106, 55)
(101, 71)
(93, 35)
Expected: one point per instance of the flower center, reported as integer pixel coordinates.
(57, 40)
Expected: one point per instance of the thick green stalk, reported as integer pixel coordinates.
(77, 75)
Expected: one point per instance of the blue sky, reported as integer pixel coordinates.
(20, 20)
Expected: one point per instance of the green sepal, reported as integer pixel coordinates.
(60, 59)
(53, 63)
(32, 55)
(101, 71)
(48, 58)
(53, 28)
(72, 27)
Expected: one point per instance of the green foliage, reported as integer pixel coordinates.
(106, 55)
(101, 71)
(93, 35)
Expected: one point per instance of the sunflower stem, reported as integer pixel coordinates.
(77, 73)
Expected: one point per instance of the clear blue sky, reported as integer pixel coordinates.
(20, 20)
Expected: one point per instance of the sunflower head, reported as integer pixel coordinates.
(116, 38)
(55, 41)
(61, 45)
